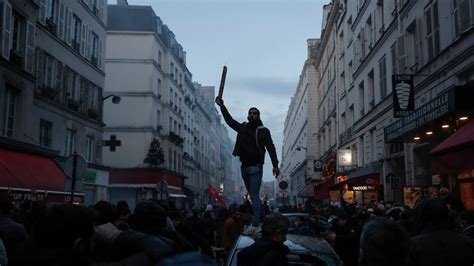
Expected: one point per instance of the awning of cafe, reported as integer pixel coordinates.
(365, 177)
(456, 153)
(28, 171)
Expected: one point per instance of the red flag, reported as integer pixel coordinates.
(215, 195)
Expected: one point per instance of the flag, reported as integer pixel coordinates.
(215, 195)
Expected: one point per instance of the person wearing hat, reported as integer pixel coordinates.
(252, 141)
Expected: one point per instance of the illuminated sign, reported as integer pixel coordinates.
(344, 157)
(362, 188)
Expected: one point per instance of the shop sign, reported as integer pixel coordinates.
(403, 95)
(90, 175)
(363, 188)
(434, 109)
(344, 157)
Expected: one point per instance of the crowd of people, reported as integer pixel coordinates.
(382, 233)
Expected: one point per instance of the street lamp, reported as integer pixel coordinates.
(299, 148)
(115, 99)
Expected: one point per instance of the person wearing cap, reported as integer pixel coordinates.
(252, 141)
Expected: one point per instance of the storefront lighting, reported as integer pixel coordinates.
(416, 138)
(462, 118)
(429, 133)
(445, 126)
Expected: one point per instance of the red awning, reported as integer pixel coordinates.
(321, 191)
(456, 153)
(27, 171)
(365, 180)
(136, 177)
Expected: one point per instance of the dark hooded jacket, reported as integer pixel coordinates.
(263, 138)
(263, 253)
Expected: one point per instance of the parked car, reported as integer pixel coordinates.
(304, 250)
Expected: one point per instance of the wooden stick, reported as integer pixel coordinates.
(221, 87)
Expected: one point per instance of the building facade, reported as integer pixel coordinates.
(374, 40)
(55, 49)
(299, 142)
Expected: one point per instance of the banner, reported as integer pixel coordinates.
(215, 195)
(403, 95)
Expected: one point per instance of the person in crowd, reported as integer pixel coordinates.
(231, 230)
(253, 139)
(300, 227)
(268, 250)
(383, 242)
(123, 211)
(14, 235)
(437, 244)
(406, 221)
(346, 239)
(467, 219)
(3, 253)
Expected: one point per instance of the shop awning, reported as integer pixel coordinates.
(143, 177)
(307, 191)
(366, 182)
(456, 153)
(321, 191)
(176, 192)
(28, 171)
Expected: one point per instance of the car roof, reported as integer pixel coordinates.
(299, 244)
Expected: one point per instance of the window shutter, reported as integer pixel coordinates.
(43, 11)
(59, 76)
(83, 39)
(88, 42)
(6, 30)
(99, 54)
(39, 68)
(464, 9)
(61, 20)
(30, 48)
(69, 26)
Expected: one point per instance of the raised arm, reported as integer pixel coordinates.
(227, 117)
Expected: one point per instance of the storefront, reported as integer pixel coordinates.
(136, 184)
(25, 176)
(440, 136)
(95, 183)
(362, 186)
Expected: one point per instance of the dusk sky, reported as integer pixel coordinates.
(262, 42)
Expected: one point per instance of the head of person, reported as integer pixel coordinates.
(123, 210)
(149, 217)
(432, 214)
(467, 218)
(274, 227)
(106, 212)
(383, 242)
(67, 227)
(6, 207)
(253, 114)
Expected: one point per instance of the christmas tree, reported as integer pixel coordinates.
(155, 154)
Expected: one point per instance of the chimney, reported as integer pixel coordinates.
(122, 2)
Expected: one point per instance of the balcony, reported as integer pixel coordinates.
(92, 113)
(49, 92)
(73, 104)
(176, 139)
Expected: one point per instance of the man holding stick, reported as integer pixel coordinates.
(252, 141)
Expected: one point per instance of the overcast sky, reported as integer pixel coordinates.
(262, 42)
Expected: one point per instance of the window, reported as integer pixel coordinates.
(73, 85)
(361, 99)
(170, 158)
(170, 124)
(411, 39)
(10, 112)
(393, 51)
(383, 77)
(371, 88)
(95, 49)
(49, 9)
(171, 69)
(158, 120)
(373, 145)
(76, 33)
(160, 55)
(70, 142)
(17, 34)
(90, 149)
(432, 29)
(158, 88)
(46, 128)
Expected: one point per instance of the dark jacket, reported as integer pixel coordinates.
(14, 237)
(441, 248)
(263, 138)
(263, 253)
(469, 232)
